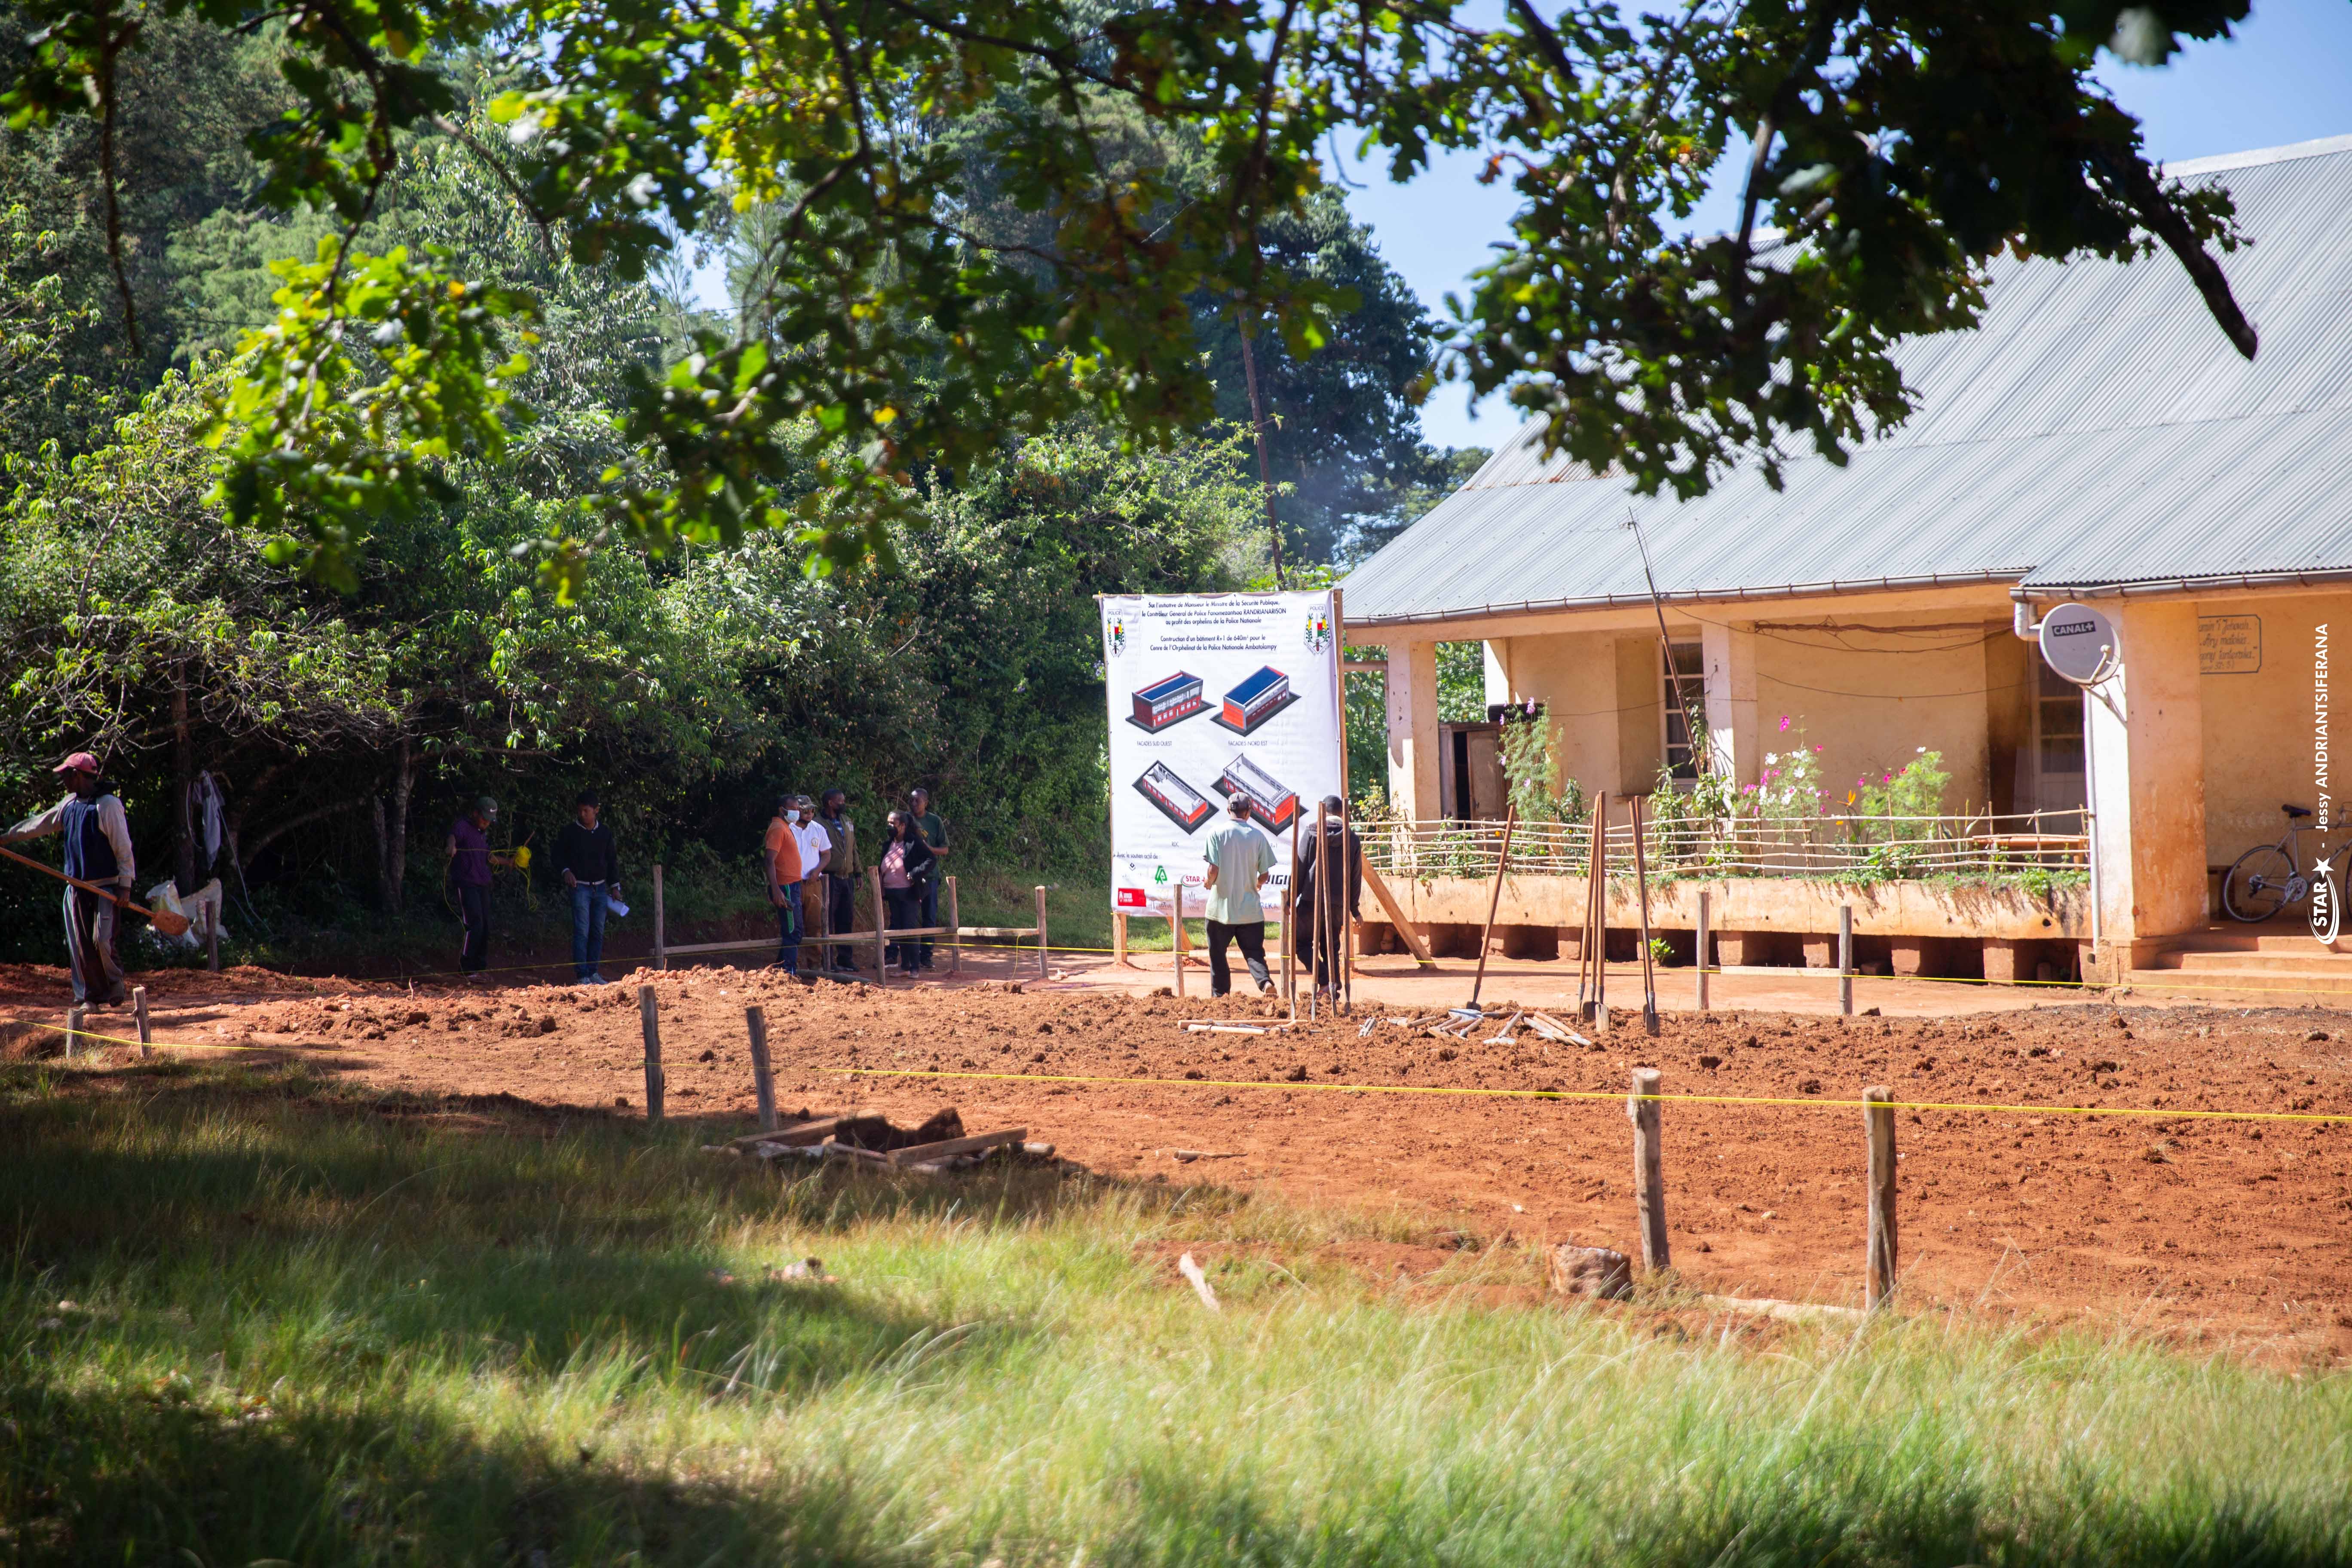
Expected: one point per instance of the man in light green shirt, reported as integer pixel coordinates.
(1239, 861)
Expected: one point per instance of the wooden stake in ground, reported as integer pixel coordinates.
(1879, 1116)
(212, 938)
(1597, 891)
(661, 952)
(1845, 959)
(1290, 926)
(1705, 900)
(1119, 939)
(881, 921)
(763, 1082)
(1176, 938)
(1318, 949)
(139, 1011)
(655, 1083)
(955, 933)
(1495, 897)
(1043, 966)
(73, 1029)
(1642, 886)
(1649, 1167)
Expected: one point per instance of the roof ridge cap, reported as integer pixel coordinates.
(2255, 157)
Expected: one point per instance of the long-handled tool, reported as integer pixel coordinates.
(169, 923)
(1471, 1012)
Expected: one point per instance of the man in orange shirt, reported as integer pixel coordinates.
(783, 862)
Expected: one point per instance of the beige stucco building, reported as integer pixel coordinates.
(2097, 439)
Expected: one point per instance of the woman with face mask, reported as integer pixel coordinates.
(783, 860)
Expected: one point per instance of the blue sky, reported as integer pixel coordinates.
(2286, 77)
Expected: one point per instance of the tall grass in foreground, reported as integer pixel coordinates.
(314, 1329)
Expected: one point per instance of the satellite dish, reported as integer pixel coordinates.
(2080, 643)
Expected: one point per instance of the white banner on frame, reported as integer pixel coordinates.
(1211, 695)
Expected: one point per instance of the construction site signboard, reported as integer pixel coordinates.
(1213, 695)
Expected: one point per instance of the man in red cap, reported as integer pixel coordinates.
(98, 850)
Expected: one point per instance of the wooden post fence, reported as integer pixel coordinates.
(1642, 886)
(650, 1017)
(1879, 1116)
(1176, 942)
(1649, 1167)
(1119, 939)
(1845, 959)
(1044, 965)
(881, 919)
(139, 1011)
(955, 931)
(763, 1082)
(1704, 946)
(661, 953)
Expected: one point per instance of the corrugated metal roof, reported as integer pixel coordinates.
(2098, 429)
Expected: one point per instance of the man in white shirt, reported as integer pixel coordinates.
(98, 850)
(1240, 860)
(816, 854)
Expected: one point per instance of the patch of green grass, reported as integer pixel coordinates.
(315, 1328)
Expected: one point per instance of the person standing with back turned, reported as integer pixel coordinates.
(1340, 849)
(98, 849)
(1240, 860)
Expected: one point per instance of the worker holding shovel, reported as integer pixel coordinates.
(97, 852)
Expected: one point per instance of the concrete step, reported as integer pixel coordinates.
(2284, 988)
(2278, 936)
(2312, 960)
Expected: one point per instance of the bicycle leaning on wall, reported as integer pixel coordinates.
(2269, 876)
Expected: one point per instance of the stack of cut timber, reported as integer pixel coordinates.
(868, 1138)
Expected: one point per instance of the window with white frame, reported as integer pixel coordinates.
(1688, 670)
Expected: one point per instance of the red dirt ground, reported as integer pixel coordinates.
(2199, 1230)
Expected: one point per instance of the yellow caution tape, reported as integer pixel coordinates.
(1811, 1102)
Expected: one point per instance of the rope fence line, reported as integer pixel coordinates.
(1810, 1102)
(1813, 1102)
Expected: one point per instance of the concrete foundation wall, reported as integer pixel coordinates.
(1785, 905)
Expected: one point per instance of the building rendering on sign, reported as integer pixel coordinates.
(1163, 702)
(1255, 700)
(2097, 440)
(1186, 806)
(1274, 806)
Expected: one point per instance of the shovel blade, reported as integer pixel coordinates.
(169, 923)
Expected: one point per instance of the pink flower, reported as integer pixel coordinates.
(1784, 723)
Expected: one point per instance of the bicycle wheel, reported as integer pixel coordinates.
(2259, 885)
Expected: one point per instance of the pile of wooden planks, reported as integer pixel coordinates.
(866, 1138)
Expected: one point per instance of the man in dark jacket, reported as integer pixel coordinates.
(1341, 848)
(470, 859)
(98, 850)
(584, 853)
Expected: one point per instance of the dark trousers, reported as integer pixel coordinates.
(1251, 934)
(904, 908)
(840, 909)
(474, 910)
(931, 916)
(1323, 958)
(589, 901)
(89, 949)
(788, 928)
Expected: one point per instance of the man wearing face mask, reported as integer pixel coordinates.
(785, 874)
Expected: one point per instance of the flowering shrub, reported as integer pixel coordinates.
(1788, 787)
(1887, 812)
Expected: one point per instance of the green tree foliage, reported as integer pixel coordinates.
(1896, 150)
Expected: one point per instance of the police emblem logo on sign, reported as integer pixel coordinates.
(1319, 631)
(1117, 636)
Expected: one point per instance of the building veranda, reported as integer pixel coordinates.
(1865, 724)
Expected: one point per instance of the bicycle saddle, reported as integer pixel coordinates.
(2294, 811)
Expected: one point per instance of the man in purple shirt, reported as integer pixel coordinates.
(469, 858)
